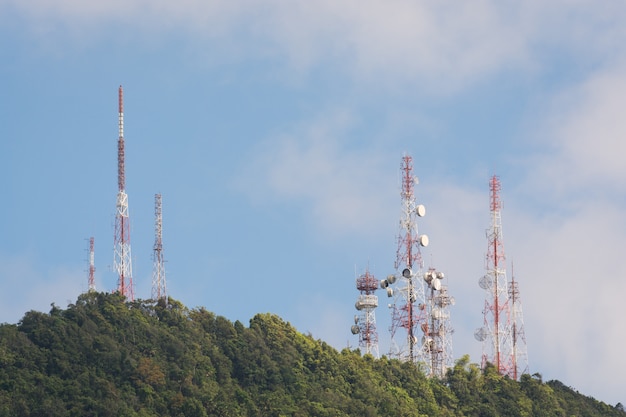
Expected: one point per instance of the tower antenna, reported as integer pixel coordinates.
(121, 250)
(92, 267)
(437, 328)
(365, 322)
(408, 308)
(158, 269)
(496, 331)
(519, 355)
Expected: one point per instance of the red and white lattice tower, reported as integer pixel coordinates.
(365, 322)
(437, 328)
(408, 310)
(496, 332)
(121, 251)
(518, 336)
(92, 268)
(158, 269)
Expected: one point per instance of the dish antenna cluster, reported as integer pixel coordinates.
(365, 321)
(502, 333)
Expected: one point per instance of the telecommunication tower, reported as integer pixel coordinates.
(158, 269)
(92, 267)
(121, 251)
(496, 334)
(408, 310)
(365, 322)
(437, 329)
(518, 336)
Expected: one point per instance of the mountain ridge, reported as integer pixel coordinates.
(105, 356)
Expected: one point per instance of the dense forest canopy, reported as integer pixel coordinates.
(104, 356)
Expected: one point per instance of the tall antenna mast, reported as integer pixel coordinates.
(92, 267)
(408, 308)
(437, 329)
(158, 269)
(518, 336)
(121, 250)
(496, 331)
(365, 322)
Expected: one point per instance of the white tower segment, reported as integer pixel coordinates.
(518, 336)
(158, 269)
(437, 329)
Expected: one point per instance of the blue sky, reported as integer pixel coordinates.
(275, 130)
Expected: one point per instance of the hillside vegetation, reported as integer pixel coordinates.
(103, 356)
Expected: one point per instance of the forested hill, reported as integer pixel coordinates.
(103, 356)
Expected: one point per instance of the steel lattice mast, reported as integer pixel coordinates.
(92, 267)
(518, 336)
(121, 252)
(496, 331)
(158, 269)
(408, 308)
(365, 322)
(437, 329)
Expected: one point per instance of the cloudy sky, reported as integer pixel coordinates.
(275, 130)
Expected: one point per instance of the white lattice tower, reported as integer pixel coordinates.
(158, 268)
(365, 321)
(496, 331)
(92, 266)
(121, 251)
(408, 308)
(518, 336)
(437, 328)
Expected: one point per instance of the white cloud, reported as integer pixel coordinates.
(588, 129)
(342, 186)
(440, 46)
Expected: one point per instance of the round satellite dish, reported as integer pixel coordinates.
(391, 279)
(440, 275)
(480, 334)
(423, 240)
(358, 305)
(390, 292)
(420, 210)
(384, 283)
(407, 273)
(436, 284)
(355, 329)
(428, 276)
(486, 282)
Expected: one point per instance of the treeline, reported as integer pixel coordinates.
(103, 356)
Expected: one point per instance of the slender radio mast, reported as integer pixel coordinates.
(496, 331)
(365, 322)
(92, 267)
(520, 354)
(121, 250)
(437, 328)
(408, 308)
(158, 269)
